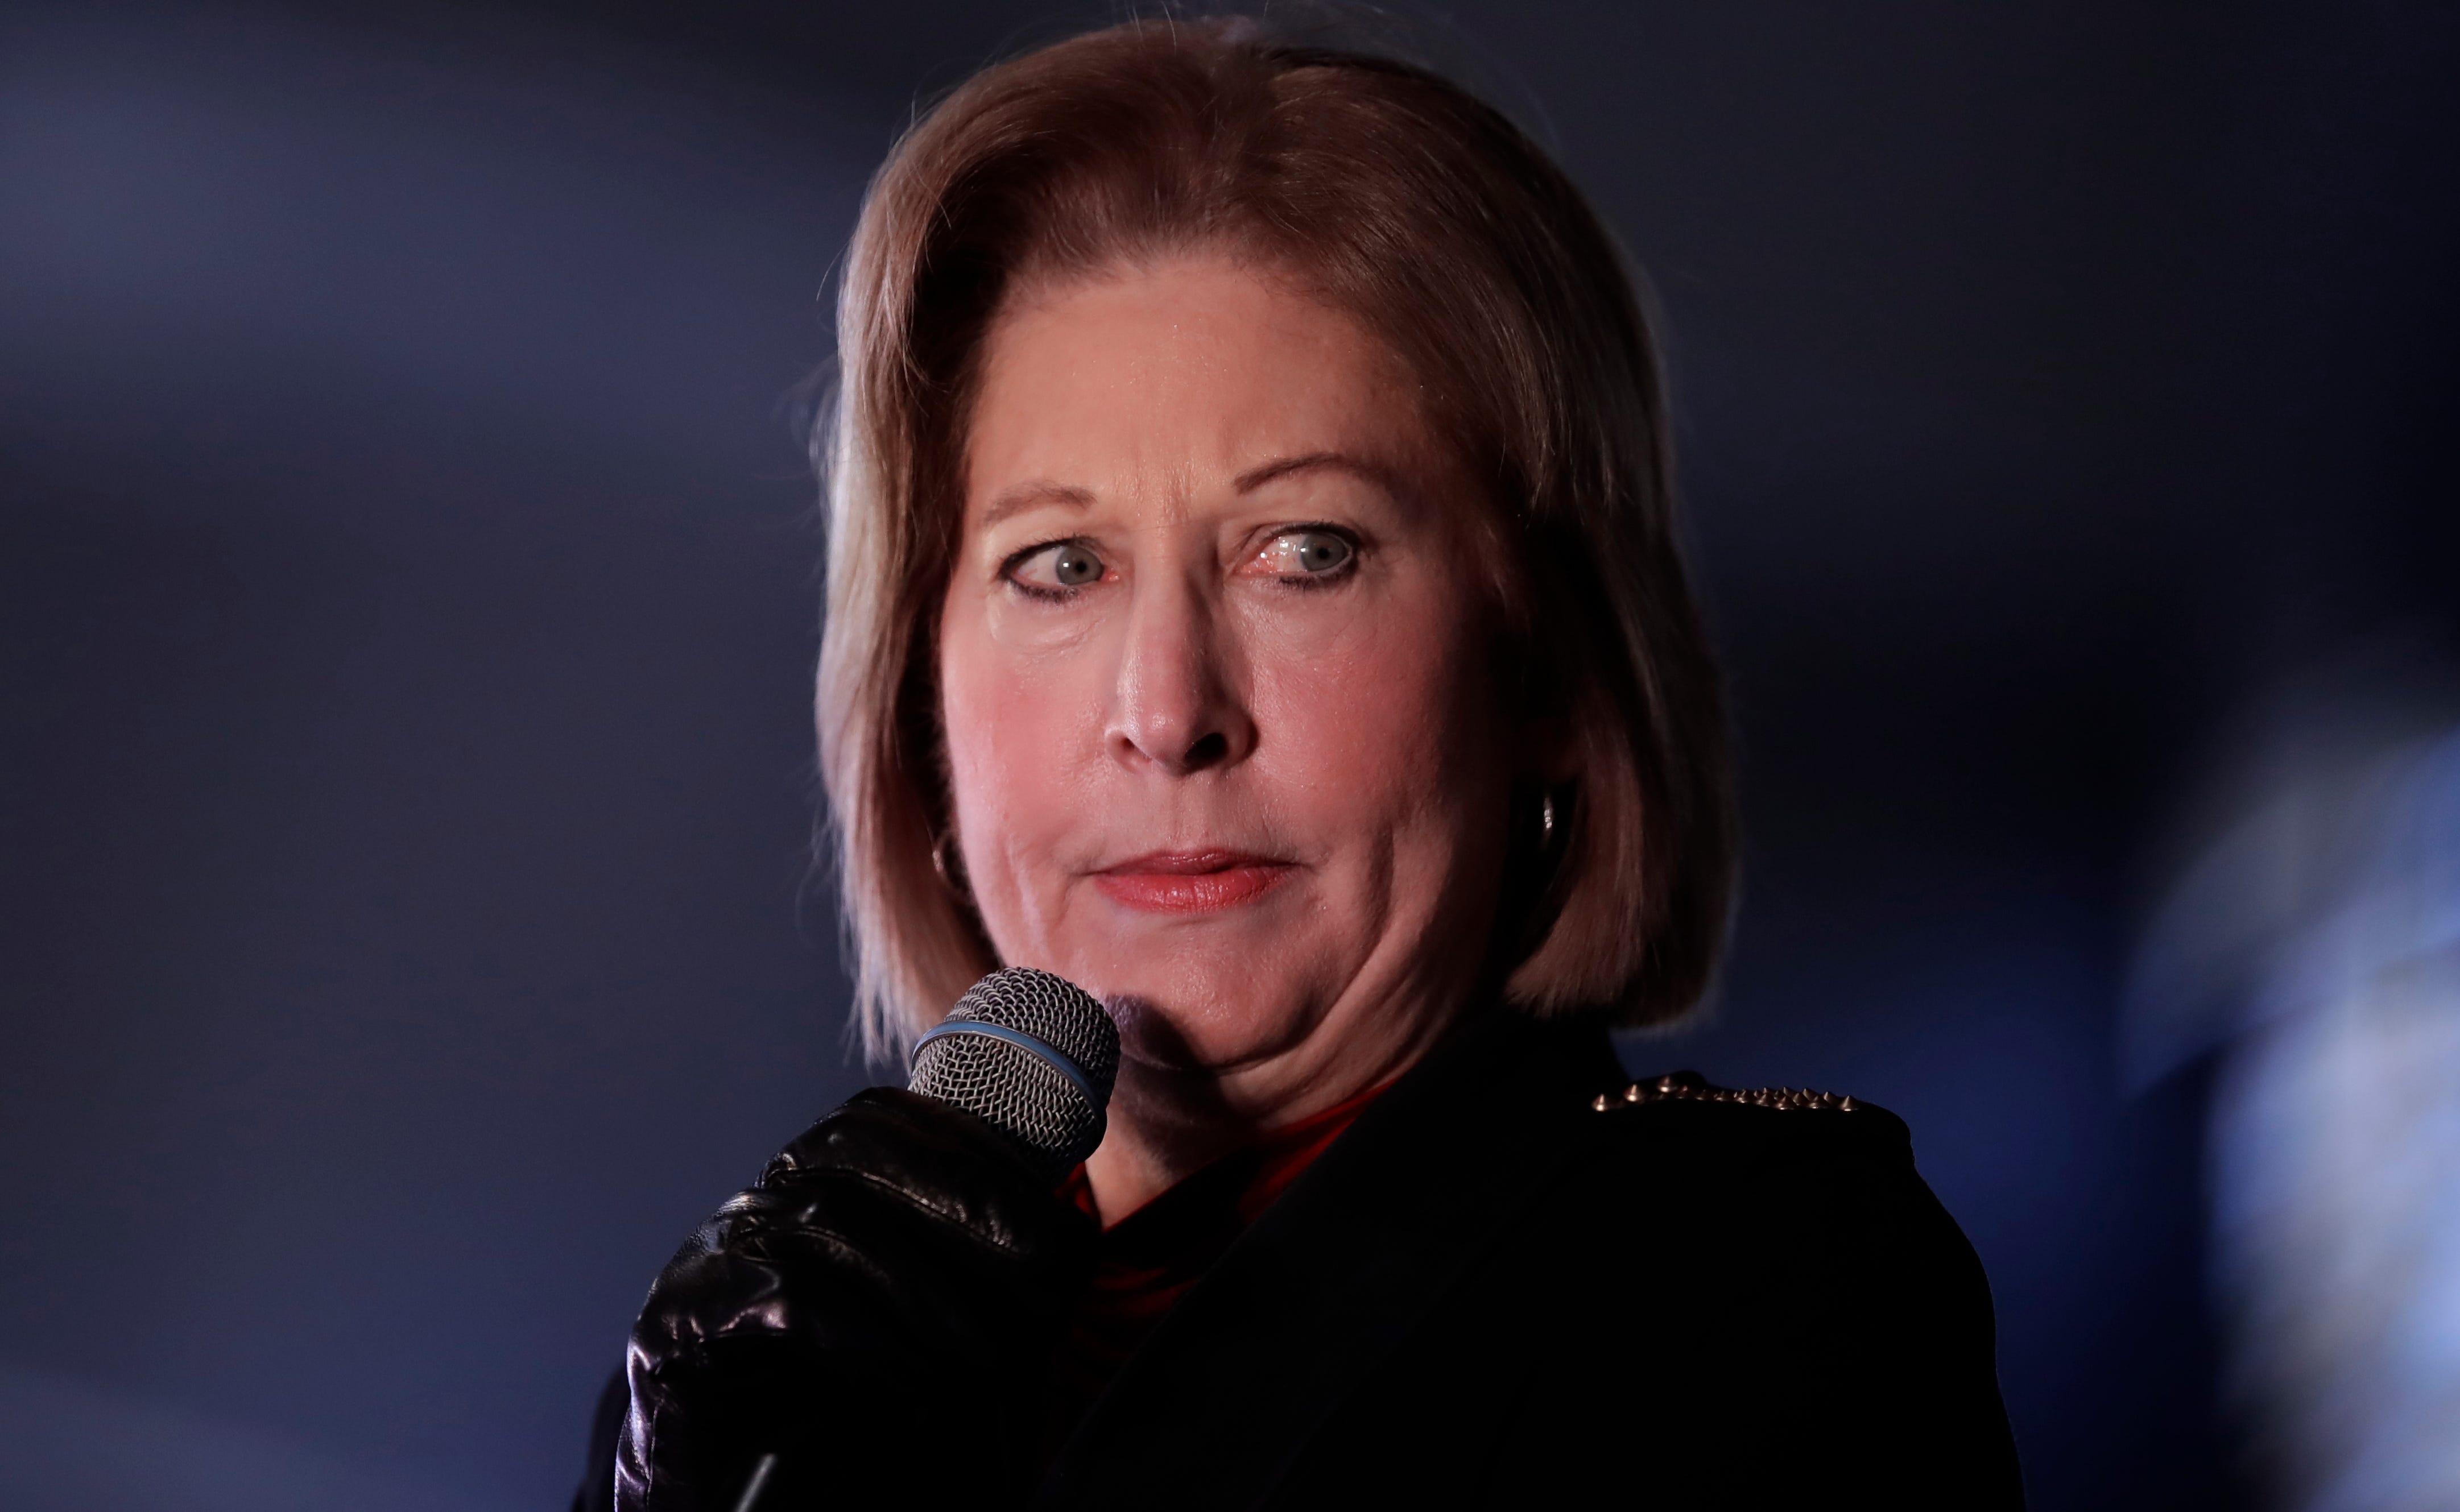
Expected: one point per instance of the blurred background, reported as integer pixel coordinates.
(408, 606)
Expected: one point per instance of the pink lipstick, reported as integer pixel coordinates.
(1190, 881)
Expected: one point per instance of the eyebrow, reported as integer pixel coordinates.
(1032, 495)
(1257, 477)
(1027, 495)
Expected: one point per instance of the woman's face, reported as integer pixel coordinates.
(1224, 738)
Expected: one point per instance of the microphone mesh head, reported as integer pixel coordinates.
(1057, 1115)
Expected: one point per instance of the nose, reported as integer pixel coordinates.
(1175, 707)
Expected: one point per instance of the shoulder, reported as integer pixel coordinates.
(1678, 1132)
(1669, 1170)
(1780, 1245)
(1784, 1209)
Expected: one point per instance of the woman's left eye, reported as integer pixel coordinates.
(1306, 554)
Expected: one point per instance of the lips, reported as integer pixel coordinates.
(1190, 881)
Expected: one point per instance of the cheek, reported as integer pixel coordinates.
(1389, 726)
(992, 708)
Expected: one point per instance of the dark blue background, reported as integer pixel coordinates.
(407, 603)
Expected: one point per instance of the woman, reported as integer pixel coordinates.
(1253, 596)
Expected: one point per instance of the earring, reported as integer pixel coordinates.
(1556, 806)
(948, 861)
(1533, 876)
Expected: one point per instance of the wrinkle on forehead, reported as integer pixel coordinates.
(1168, 362)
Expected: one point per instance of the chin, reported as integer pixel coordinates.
(1205, 1010)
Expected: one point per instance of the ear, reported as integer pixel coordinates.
(1545, 744)
(1550, 754)
(1544, 821)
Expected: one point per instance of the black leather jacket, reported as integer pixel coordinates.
(1520, 1279)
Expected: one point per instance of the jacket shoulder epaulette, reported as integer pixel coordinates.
(1689, 1086)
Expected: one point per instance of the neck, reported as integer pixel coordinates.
(1165, 1127)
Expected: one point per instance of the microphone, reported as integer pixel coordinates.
(1030, 1052)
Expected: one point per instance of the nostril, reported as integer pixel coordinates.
(1210, 751)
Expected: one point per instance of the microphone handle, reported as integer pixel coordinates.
(763, 1470)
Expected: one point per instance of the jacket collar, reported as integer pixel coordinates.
(1337, 1272)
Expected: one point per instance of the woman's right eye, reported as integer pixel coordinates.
(1057, 567)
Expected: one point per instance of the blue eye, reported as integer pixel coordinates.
(1318, 552)
(1305, 556)
(1075, 566)
(1056, 568)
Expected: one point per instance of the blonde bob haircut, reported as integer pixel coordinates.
(1395, 196)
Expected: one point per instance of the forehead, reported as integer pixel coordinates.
(1194, 367)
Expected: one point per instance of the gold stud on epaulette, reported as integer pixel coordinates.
(1687, 1088)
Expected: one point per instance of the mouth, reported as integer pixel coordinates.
(1191, 881)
